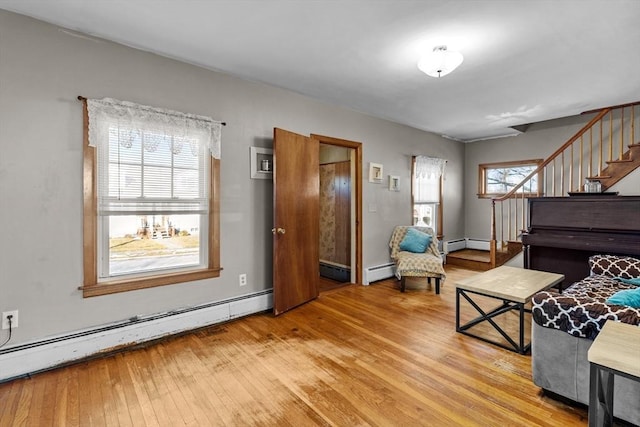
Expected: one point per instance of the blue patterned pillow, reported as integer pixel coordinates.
(628, 297)
(415, 241)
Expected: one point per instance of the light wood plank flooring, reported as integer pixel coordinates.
(356, 356)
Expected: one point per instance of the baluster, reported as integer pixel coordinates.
(493, 219)
(562, 173)
(621, 133)
(509, 219)
(633, 125)
(581, 180)
(589, 168)
(522, 227)
(610, 135)
(501, 220)
(571, 169)
(553, 178)
(601, 145)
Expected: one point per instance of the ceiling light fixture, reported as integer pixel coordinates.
(440, 62)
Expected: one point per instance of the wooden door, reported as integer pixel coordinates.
(296, 201)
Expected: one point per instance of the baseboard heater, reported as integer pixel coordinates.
(454, 245)
(480, 245)
(335, 271)
(37, 356)
(379, 272)
(459, 244)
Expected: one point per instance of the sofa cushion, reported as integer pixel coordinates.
(624, 267)
(582, 309)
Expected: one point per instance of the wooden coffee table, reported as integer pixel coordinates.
(615, 351)
(514, 287)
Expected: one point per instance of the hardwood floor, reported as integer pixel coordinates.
(356, 356)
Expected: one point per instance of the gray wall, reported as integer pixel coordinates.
(43, 69)
(539, 141)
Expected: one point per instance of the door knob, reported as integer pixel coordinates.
(278, 230)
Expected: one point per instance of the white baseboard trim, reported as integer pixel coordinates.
(45, 354)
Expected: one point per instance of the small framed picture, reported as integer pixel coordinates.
(375, 172)
(394, 183)
(261, 163)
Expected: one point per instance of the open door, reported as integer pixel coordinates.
(296, 195)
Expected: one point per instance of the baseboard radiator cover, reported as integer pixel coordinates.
(480, 245)
(454, 245)
(379, 272)
(37, 356)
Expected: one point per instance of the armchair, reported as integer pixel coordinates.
(410, 264)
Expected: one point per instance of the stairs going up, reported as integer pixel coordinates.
(618, 169)
(606, 150)
(479, 260)
(472, 259)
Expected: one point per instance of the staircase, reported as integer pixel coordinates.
(605, 150)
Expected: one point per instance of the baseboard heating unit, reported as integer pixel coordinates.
(41, 355)
(335, 271)
(454, 245)
(379, 272)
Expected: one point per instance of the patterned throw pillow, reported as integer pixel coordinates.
(624, 267)
(415, 241)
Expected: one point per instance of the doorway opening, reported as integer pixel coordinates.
(339, 231)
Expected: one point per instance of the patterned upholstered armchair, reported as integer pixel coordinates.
(410, 264)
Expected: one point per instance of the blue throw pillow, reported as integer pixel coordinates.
(628, 297)
(634, 281)
(415, 241)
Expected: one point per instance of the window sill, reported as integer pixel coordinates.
(116, 286)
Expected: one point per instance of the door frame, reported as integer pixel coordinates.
(357, 146)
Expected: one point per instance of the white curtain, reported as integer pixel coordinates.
(429, 167)
(136, 118)
(427, 179)
(150, 160)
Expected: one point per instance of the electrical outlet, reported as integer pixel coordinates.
(242, 279)
(14, 319)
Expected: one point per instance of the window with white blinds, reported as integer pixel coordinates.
(153, 189)
(426, 191)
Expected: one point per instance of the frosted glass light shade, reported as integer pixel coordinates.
(440, 62)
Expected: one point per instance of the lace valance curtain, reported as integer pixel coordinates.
(135, 119)
(429, 167)
(427, 180)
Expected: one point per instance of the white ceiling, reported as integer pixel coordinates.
(525, 60)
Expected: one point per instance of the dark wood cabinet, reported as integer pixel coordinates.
(564, 232)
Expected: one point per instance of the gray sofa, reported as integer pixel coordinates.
(565, 325)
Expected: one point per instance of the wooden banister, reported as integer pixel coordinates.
(555, 174)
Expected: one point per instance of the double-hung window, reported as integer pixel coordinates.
(426, 192)
(151, 184)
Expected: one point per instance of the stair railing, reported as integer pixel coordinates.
(586, 156)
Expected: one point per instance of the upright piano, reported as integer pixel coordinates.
(563, 232)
